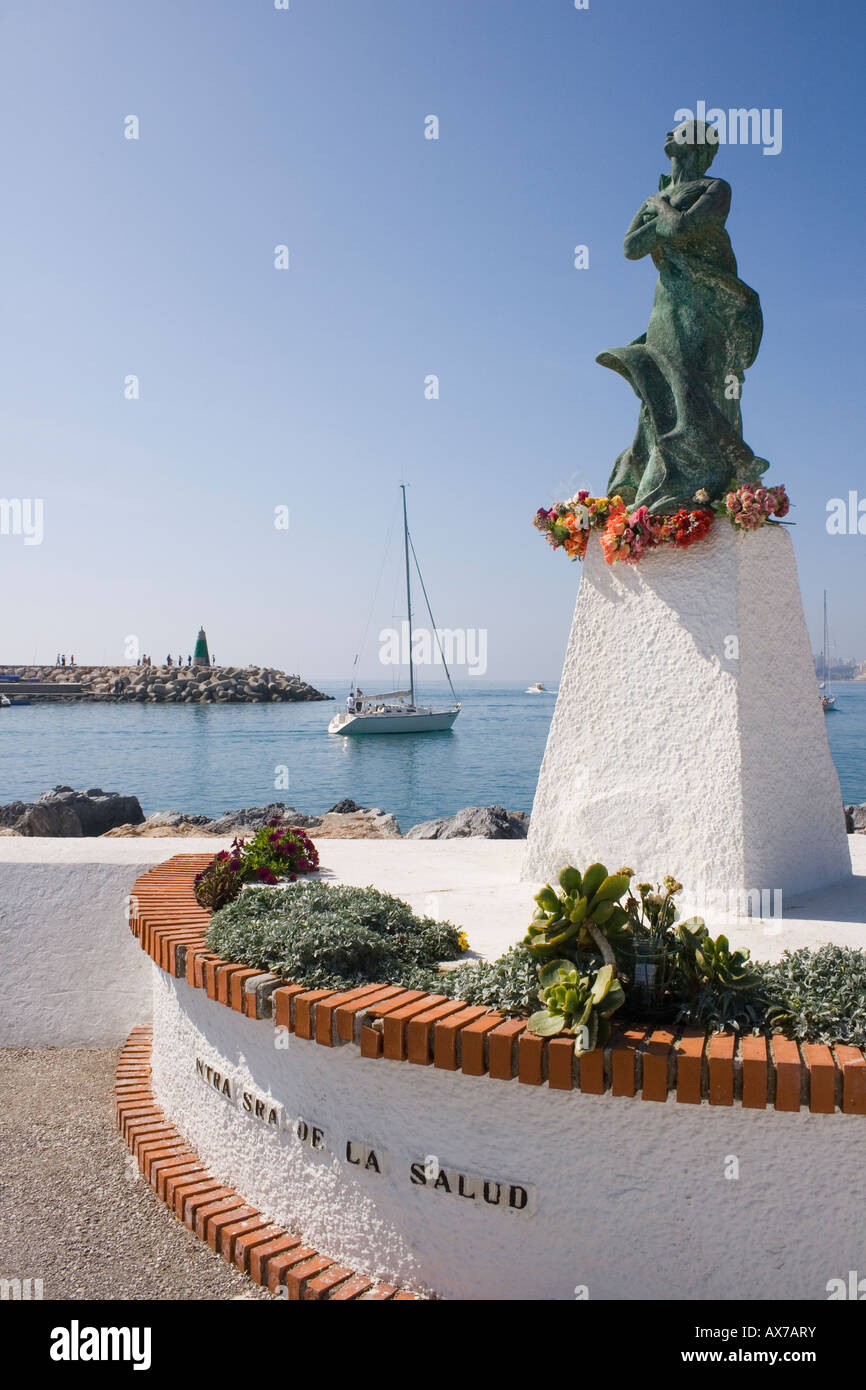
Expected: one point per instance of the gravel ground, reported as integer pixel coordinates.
(74, 1209)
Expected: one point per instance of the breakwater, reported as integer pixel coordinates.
(170, 685)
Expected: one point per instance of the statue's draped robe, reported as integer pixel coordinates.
(704, 330)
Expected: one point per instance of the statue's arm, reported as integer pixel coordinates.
(713, 205)
(642, 234)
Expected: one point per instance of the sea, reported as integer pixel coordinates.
(215, 758)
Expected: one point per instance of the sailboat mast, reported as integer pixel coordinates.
(826, 648)
(408, 595)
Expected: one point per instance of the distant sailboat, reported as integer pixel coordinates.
(395, 711)
(828, 701)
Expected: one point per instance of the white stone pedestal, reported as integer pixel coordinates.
(688, 736)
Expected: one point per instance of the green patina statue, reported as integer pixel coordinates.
(704, 330)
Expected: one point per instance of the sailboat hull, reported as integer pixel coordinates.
(422, 722)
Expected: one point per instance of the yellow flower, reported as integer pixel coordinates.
(463, 941)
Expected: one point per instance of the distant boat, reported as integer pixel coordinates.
(828, 701)
(396, 712)
(537, 689)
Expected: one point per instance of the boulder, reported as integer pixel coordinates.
(484, 822)
(68, 813)
(252, 818)
(175, 818)
(362, 824)
(855, 818)
(51, 819)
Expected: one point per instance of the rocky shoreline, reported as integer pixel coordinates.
(169, 685)
(69, 813)
(65, 812)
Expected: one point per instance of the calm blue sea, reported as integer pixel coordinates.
(217, 758)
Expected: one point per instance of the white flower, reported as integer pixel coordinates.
(581, 516)
(702, 495)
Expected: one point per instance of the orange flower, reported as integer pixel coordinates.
(610, 536)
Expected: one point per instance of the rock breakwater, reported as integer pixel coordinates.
(168, 685)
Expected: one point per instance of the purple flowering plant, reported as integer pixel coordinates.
(275, 852)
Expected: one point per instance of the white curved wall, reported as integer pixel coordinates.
(71, 973)
(628, 1197)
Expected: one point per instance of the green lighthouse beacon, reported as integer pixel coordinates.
(202, 657)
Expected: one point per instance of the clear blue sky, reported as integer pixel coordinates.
(408, 257)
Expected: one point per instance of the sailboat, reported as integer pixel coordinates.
(395, 711)
(828, 701)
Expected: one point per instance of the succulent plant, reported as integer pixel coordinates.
(720, 988)
(652, 909)
(575, 1003)
(709, 960)
(585, 915)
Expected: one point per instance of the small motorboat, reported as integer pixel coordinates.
(537, 689)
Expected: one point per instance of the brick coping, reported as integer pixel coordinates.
(272, 1256)
(412, 1026)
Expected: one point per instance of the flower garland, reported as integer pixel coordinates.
(627, 536)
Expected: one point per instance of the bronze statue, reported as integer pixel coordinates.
(704, 330)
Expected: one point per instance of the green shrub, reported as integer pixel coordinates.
(324, 936)
(509, 985)
(823, 993)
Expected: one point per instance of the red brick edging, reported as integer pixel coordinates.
(268, 1253)
(430, 1029)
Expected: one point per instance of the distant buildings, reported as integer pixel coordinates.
(840, 670)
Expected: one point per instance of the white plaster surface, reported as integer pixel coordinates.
(71, 973)
(630, 1196)
(670, 755)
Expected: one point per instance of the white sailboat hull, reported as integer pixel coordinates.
(395, 722)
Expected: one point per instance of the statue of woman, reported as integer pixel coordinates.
(704, 330)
